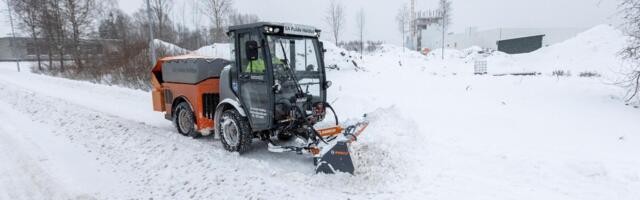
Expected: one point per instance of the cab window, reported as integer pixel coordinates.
(257, 66)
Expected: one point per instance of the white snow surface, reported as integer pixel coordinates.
(595, 50)
(437, 132)
(170, 49)
(218, 50)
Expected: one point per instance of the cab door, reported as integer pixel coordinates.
(254, 80)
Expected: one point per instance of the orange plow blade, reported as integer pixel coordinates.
(335, 155)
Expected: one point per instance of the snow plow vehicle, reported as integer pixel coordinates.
(273, 88)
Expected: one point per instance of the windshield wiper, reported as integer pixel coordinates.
(291, 72)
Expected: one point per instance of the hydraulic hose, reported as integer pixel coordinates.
(326, 104)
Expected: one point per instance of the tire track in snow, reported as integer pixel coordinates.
(159, 164)
(22, 175)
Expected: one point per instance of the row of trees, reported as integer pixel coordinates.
(221, 14)
(70, 30)
(55, 26)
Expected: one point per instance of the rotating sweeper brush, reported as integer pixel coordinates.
(275, 86)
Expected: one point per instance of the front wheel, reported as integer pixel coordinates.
(235, 132)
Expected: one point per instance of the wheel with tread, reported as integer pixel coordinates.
(184, 120)
(235, 132)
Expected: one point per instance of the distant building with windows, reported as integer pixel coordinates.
(24, 48)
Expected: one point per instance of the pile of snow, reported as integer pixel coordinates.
(396, 51)
(448, 54)
(595, 50)
(218, 50)
(168, 48)
(337, 58)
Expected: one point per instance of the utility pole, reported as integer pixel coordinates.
(152, 45)
(412, 23)
(13, 35)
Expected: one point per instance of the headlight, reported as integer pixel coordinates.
(268, 29)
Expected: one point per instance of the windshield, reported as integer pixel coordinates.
(300, 56)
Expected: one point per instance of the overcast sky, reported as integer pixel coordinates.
(380, 21)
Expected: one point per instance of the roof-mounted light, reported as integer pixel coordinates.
(272, 29)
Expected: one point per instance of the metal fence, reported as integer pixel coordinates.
(480, 66)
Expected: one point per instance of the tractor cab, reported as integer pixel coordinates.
(277, 69)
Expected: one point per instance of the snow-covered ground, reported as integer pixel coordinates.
(437, 132)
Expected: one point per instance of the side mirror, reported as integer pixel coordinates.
(327, 84)
(321, 44)
(251, 48)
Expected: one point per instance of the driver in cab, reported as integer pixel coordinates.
(258, 65)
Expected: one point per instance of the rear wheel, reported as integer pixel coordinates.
(235, 132)
(184, 120)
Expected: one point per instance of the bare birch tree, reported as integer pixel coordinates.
(161, 10)
(335, 19)
(217, 11)
(29, 13)
(402, 18)
(80, 15)
(631, 15)
(56, 24)
(360, 24)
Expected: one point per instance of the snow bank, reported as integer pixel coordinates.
(448, 54)
(593, 50)
(218, 50)
(169, 48)
(337, 58)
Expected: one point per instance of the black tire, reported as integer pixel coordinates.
(186, 126)
(239, 132)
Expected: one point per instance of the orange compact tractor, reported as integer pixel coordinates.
(272, 86)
